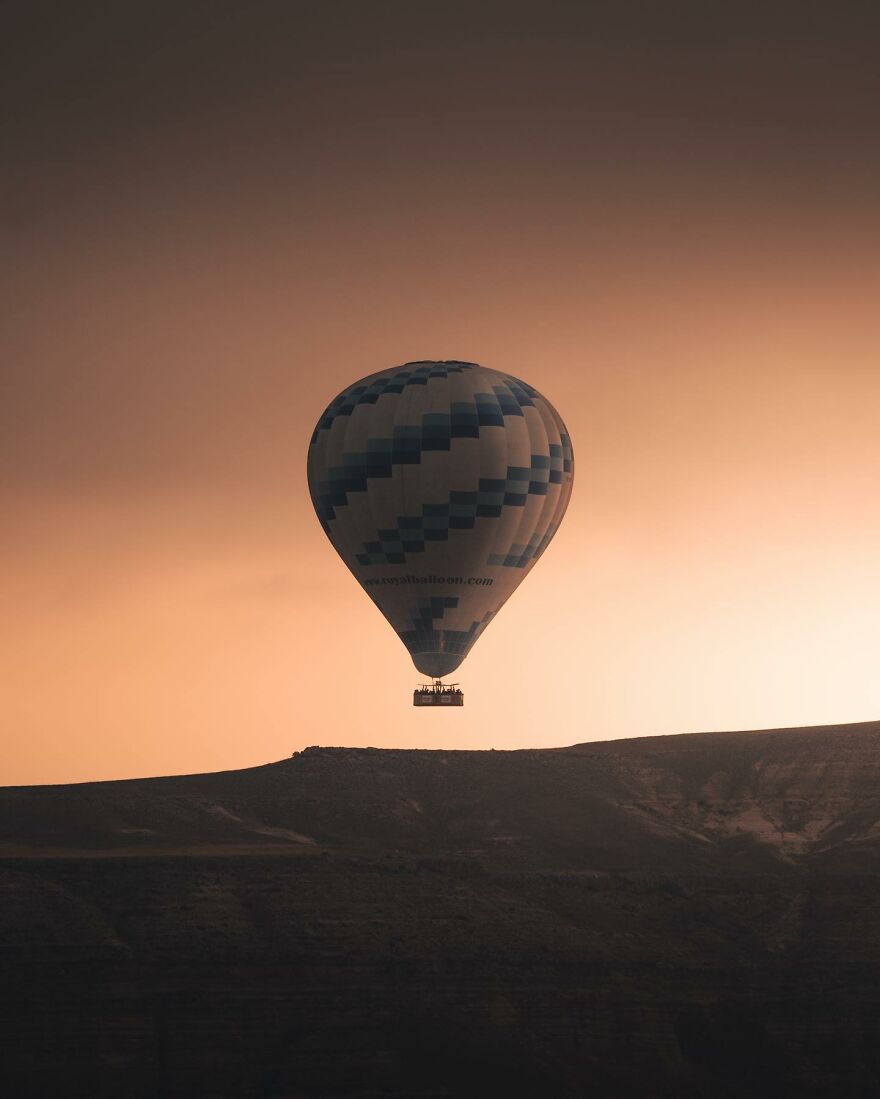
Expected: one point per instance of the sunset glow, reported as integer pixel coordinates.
(190, 289)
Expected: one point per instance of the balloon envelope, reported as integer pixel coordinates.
(440, 484)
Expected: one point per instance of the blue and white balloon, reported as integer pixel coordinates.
(440, 484)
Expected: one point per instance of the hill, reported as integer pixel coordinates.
(669, 917)
(747, 799)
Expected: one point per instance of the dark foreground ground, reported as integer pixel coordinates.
(676, 917)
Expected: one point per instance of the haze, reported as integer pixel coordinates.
(215, 219)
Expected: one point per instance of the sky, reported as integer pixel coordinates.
(215, 216)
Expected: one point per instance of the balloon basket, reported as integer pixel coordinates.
(437, 693)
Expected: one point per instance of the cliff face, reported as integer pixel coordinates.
(805, 795)
(669, 917)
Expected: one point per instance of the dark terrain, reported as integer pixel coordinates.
(671, 917)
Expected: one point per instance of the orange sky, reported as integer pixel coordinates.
(670, 230)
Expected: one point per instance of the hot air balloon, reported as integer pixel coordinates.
(440, 484)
